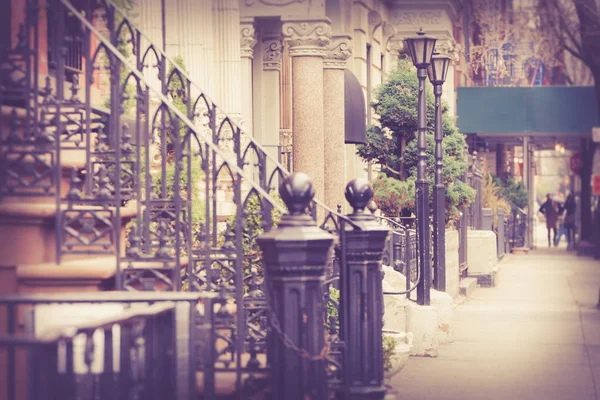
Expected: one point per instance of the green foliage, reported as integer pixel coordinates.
(393, 145)
(124, 47)
(332, 312)
(492, 197)
(511, 190)
(176, 91)
(389, 351)
(392, 195)
(198, 206)
(253, 225)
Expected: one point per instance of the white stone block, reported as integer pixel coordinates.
(422, 322)
(47, 318)
(482, 254)
(452, 263)
(445, 307)
(394, 317)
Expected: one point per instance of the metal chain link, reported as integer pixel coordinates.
(287, 341)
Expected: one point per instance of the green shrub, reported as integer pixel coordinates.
(511, 190)
(389, 352)
(393, 146)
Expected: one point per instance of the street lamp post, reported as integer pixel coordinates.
(420, 48)
(437, 72)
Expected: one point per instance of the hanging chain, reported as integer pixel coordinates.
(287, 341)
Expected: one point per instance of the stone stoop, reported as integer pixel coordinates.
(486, 280)
(520, 250)
(468, 286)
(429, 325)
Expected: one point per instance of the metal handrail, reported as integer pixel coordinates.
(171, 107)
(418, 280)
(184, 74)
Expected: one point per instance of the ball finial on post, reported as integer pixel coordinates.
(297, 191)
(359, 194)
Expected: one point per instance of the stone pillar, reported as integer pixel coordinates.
(285, 124)
(308, 40)
(247, 43)
(184, 36)
(226, 19)
(272, 50)
(333, 107)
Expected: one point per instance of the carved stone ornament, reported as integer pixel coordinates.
(272, 52)
(389, 31)
(337, 52)
(307, 38)
(448, 47)
(417, 18)
(396, 46)
(375, 21)
(247, 40)
(250, 3)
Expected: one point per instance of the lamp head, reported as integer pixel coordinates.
(438, 68)
(420, 48)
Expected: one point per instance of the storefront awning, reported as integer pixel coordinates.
(354, 109)
(547, 109)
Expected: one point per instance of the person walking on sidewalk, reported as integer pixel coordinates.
(550, 211)
(569, 210)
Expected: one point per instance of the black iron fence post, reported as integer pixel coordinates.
(439, 198)
(361, 300)
(422, 198)
(295, 256)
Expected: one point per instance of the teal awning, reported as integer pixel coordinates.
(543, 109)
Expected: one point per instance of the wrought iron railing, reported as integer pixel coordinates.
(180, 163)
(516, 228)
(201, 191)
(475, 180)
(141, 349)
(401, 252)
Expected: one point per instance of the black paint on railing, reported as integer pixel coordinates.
(153, 359)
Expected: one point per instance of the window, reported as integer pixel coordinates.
(73, 42)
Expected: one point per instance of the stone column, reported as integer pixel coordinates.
(337, 53)
(308, 40)
(226, 19)
(272, 50)
(247, 43)
(285, 124)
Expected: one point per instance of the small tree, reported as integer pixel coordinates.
(393, 145)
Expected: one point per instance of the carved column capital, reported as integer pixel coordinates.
(337, 52)
(448, 47)
(247, 39)
(272, 50)
(396, 46)
(307, 38)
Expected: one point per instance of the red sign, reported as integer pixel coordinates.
(575, 163)
(596, 185)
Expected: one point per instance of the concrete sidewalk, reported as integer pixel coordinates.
(534, 336)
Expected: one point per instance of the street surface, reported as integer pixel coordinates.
(535, 336)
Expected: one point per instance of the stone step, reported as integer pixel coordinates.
(520, 250)
(29, 234)
(467, 286)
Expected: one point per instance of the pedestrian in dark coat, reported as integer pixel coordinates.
(550, 211)
(569, 210)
